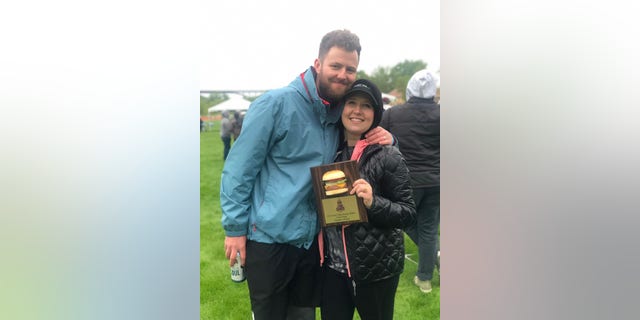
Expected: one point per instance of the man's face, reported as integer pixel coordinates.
(336, 73)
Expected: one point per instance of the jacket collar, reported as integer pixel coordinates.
(306, 85)
(420, 100)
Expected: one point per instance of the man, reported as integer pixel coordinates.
(417, 126)
(268, 207)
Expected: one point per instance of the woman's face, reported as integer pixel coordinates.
(357, 116)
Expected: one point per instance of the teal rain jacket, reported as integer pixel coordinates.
(266, 191)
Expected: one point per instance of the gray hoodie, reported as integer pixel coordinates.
(225, 125)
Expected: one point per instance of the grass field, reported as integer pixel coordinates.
(220, 298)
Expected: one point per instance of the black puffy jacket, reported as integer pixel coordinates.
(376, 248)
(416, 124)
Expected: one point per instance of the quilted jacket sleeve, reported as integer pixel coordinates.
(393, 205)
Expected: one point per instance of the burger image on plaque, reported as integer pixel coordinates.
(331, 186)
(335, 182)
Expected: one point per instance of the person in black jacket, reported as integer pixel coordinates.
(362, 262)
(417, 126)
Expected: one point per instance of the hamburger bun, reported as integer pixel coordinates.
(334, 182)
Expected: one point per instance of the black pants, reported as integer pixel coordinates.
(283, 280)
(425, 232)
(374, 300)
(227, 146)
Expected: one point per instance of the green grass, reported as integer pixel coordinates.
(221, 299)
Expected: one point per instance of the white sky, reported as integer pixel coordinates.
(259, 45)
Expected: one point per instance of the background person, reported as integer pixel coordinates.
(364, 260)
(417, 126)
(226, 128)
(268, 206)
(236, 125)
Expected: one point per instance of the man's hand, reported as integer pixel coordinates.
(379, 135)
(233, 245)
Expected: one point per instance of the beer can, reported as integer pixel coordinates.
(237, 270)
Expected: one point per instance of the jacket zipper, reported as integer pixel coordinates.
(346, 258)
(354, 287)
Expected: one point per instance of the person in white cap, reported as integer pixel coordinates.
(416, 124)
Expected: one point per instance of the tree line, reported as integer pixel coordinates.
(394, 78)
(386, 78)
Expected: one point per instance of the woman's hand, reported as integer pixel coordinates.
(362, 189)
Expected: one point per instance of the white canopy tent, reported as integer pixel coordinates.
(235, 102)
(388, 96)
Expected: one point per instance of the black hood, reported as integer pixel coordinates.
(370, 89)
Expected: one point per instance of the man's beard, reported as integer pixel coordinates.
(324, 89)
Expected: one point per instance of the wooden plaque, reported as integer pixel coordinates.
(331, 186)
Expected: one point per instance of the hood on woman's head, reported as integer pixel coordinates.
(371, 90)
(423, 84)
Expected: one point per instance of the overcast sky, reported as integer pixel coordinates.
(258, 45)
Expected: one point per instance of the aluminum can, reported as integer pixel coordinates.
(237, 270)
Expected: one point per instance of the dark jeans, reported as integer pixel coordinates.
(283, 281)
(373, 300)
(425, 232)
(227, 146)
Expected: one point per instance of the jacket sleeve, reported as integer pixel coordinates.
(393, 205)
(384, 122)
(243, 164)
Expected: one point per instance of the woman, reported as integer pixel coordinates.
(363, 261)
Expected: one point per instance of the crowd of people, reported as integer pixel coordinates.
(325, 115)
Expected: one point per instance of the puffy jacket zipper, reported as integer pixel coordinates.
(346, 259)
(346, 256)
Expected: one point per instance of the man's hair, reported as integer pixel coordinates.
(344, 39)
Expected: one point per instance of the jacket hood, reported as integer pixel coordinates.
(371, 90)
(423, 84)
(305, 85)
